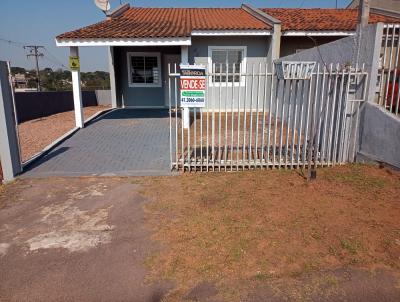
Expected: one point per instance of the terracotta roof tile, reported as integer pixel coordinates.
(180, 22)
(316, 19)
(167, 22)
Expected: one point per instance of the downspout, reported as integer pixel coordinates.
(275, 47)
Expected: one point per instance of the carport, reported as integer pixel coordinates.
(121, 142)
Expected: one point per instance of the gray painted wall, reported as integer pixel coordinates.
(289, 45)
(9, 148)
(380, 135)
(342, 51)
(103, 97)
(139, 96)
(257, 52)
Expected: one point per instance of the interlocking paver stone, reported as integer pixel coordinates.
(121, 142)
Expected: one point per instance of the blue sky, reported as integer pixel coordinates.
(39, 21)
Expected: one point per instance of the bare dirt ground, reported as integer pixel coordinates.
(235, 135)
(74, 239)
(36, 134)
(269, 235)
(248, 236)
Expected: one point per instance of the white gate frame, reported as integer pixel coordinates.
(317, 120)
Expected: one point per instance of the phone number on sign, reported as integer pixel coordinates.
(193, 84)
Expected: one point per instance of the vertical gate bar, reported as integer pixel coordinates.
(294, 122)
(263, 162)
(271, 87)
(305, 144)
(343, 120)
(330, 137)
(289, 109)
(201, 138)
(398, 97)
(312, 126)
(396, 71)
(385, 95)
(338, 117)
(176, 120)
(257, 118)
(383, 66)
(251, 115)
(238, 126)
(326, 112)
(278, 81)
(351, 116)
(232, 113)
(219, 118)
(345, 115)
(244, 118)
(189, 155)
(213, 116)
(342, 113)
(365, 75)
(282, 123)
(170, 117)
(226, 118)
(182, 136)
(207, 117)
(316, 121)
(300, 128)
(194, 138)
(321, 103)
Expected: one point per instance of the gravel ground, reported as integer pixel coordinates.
(36, 134)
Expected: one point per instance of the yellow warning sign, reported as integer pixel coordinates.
(74, 63)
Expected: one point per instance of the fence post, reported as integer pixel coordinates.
(373, 68)
(9, 147)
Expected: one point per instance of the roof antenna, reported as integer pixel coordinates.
(104, 5)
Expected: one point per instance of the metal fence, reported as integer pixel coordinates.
(388, 94)
(255, 119)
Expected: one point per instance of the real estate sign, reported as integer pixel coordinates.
(193, 86)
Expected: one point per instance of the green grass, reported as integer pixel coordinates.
(353, 246)
(359, 179)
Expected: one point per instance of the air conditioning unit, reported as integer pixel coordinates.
(294, 70)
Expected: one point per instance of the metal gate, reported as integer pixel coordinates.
(254, 118)
(388, 94)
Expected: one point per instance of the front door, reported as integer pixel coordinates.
(170, 84)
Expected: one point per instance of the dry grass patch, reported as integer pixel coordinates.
(240, 229)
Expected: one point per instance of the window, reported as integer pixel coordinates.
(227, 62)
(144, 69)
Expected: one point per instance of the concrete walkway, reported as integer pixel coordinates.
(121, 142)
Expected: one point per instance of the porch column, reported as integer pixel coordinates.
(76, 87)
(185, 60)
(111, 70)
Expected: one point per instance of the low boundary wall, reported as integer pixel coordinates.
(33, 105)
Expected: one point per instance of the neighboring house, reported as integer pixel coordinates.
(143, 41)
(383, 7)
(19, 81)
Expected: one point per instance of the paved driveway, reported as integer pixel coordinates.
(121, 142)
